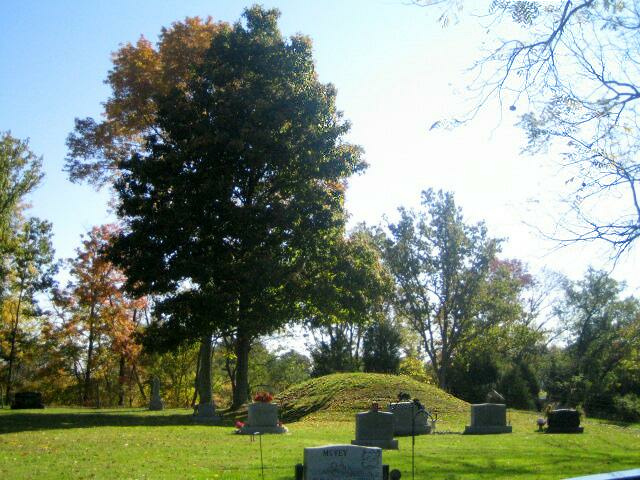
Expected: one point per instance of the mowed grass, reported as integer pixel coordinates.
(138, 444)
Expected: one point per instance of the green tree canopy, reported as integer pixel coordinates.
(441, 266)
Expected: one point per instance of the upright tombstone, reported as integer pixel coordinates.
(156, 401)
(409, 419)
(205, 412)
(487, 418)
(262, 417)
(344, 462)
(375, 429)
(26, 400)
(564, 420)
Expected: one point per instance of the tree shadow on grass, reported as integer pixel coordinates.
(25, 422)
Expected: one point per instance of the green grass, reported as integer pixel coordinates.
(137, 444)
(346, 393)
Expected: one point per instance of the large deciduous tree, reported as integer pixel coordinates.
(100, 318)
(441, 266)
(141, 73)
(242, 185)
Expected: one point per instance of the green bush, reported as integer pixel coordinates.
(627, 407)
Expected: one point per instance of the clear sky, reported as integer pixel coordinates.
(396, 70)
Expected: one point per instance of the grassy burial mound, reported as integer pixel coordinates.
(346, 393)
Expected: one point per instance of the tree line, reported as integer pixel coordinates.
(228, 164)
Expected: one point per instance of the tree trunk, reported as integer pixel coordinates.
(12, 350)
(241, 392)
(121, 380)
(139, 383)
(204, 382)
(196, 382)
(231, 371)
(87, 373)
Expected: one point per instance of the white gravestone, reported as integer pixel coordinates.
(375, 429)
(344, 462)
(263, 418)
(407, 413)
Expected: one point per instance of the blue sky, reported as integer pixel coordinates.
(396, 70)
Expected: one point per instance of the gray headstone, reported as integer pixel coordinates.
(564, 420)
(488, 418)
(205, 413)
(25, 400)
(375, 429)
(344, 462)
(262, 417)
(406, 413)
(156, 402)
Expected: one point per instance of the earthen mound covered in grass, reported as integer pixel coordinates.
(346, 393)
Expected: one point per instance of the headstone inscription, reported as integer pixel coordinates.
(156, 402)
(375, 429)
(262, 417)
(344, 462)
(409, 419)
(564, 420)
(25, 400)
(487, 418)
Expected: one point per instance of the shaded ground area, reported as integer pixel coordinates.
(30, 420)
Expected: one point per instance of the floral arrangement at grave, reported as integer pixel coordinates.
(375, 406)
(263, 397)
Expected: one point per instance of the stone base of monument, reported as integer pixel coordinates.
(156, 405)
(565, 430)
(249, 430)
(206, 413)
(469, 430)
(408, 420)
(262, 417)
(487, 419)
(384, 444)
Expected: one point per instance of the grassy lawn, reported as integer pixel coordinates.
(137, 444)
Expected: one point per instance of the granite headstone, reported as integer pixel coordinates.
(487, 418)
(156, 402)
(408, 419)
(564, 420)
(262, 417)
(26, 400)
(344, 462)
(375, 429)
